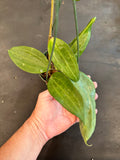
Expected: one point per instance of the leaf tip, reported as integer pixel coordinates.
(93, 20)
(86, 141)
(89, 145)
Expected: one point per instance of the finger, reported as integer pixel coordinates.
(96, 96)
(96, 110)
(89, 76)
(95, 84)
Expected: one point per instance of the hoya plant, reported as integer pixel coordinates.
(58, 67)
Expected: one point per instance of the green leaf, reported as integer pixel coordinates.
(29, 59)
(77, 97)
(87, 91)
(63, 90)
(64, 59)
(76, 27)
(84, 38)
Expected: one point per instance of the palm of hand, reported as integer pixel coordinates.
(52, 116)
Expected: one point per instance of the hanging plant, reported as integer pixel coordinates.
(59, 68)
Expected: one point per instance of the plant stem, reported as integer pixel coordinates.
(51, 20)
(76, 26)
(55, 34)
(60, 2)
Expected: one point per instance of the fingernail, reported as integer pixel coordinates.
(89, 76)
(96, 96)
(96, 111)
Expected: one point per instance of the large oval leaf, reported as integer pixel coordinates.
(77, 97)
(63, 90)
(87, 91)
(29, 59)
(84, 38)
(64, 59)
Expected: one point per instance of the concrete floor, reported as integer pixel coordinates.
(26, 23)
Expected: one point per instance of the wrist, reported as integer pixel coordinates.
(37, 131)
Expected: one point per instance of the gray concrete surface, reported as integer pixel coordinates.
(26, 23)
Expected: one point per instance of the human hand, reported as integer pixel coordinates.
(51, 117)
(48, 119)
